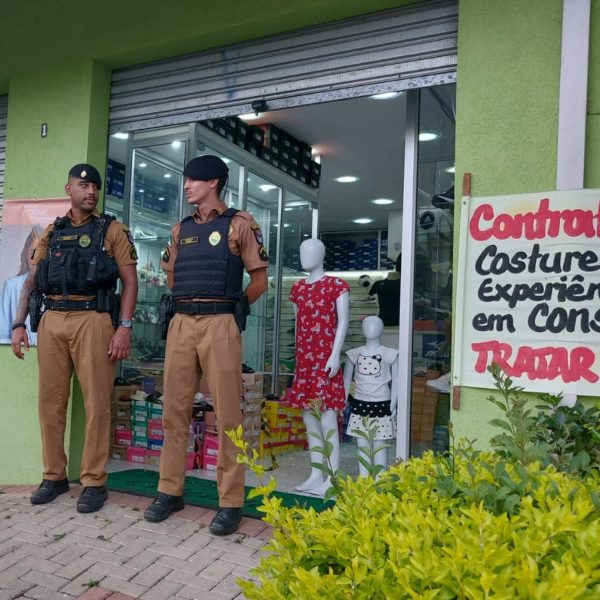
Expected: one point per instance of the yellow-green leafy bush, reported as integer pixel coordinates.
(470, 526)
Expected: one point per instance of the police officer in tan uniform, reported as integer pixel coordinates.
(204, 263)
(75, 269)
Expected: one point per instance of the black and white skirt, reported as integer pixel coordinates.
(364, 415)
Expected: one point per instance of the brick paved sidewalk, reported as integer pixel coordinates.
(51, 551)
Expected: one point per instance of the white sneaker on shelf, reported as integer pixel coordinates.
(441, 384)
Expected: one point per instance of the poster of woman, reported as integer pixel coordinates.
(23, 221)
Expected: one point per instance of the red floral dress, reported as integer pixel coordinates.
(316, 323)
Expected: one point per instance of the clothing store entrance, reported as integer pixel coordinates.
(368, 170)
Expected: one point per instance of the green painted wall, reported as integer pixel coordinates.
(20, 446)
(507, 94)
(592, 162)
(76, 111)
(507, 118)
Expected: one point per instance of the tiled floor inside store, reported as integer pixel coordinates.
(293, 468)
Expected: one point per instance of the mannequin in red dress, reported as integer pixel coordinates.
(321, 306)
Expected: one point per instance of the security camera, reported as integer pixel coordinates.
(259, 106)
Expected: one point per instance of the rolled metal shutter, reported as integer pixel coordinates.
(3, 118)
(412, 46)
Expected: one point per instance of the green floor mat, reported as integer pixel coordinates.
(201, 492)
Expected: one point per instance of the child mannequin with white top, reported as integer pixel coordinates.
(321, 306)
(373, 367)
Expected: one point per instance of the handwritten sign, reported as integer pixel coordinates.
(532, 291)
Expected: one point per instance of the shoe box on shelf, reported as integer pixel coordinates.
(273, 145)
(428, 407)
(269, 425)
(284, 427)
(137, 429)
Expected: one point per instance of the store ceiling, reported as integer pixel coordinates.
(360, 137)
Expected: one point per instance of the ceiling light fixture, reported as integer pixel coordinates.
(346, 179)
(267, 187)
(176, 144)
(427, 136)
(382, 201)
(121, 135)
(167, 175)
(142, 165)
(385, 96)
(362, 221)
(225, 160)
(450, 169)
(251, 116)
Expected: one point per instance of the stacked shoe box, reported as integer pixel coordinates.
(210, 450)
(137, 429)
(350, 255)
(253, 390)
(121, 420)
(423, 408)
(271, 143)
(285, 430)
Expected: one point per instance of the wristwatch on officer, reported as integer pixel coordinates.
(126, 323)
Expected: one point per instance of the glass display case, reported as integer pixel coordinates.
(154, 205)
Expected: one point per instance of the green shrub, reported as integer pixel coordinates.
(522, 521)
(408, 535)
(567, 437)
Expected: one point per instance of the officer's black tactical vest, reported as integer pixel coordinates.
(205, 267)
(77, 262)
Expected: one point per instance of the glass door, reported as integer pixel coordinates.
(426, 293)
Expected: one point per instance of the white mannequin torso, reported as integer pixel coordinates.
(373, 366)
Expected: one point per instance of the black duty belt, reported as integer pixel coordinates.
(64, 305)
(204, 308)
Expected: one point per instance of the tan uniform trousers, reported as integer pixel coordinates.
(211, 346)
(75, 339)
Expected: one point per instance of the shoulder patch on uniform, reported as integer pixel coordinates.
(129, 236)
(166, 255)
(258, 234)
(262, 253)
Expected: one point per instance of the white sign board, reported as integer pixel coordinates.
(531, 296)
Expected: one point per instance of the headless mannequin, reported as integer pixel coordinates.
(387, 292)
(372, 329)
(312, 254)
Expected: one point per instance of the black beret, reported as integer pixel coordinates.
(205, 168)
(87, 173)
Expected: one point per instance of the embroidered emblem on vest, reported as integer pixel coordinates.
(214, 238)
(85, 240)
